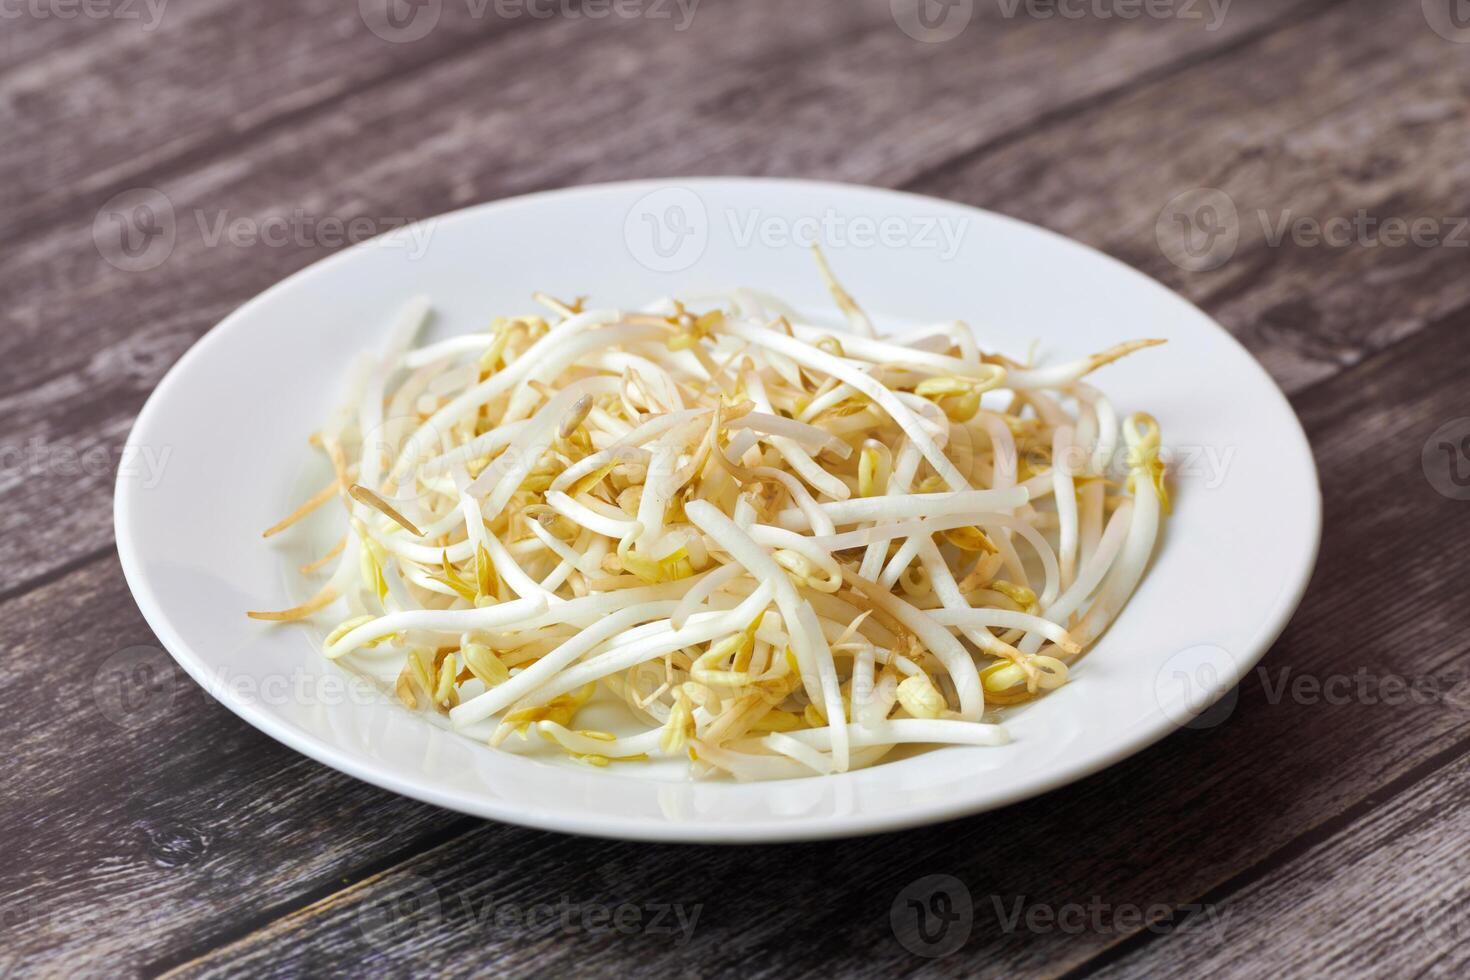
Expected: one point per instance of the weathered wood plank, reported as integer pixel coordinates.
(35, 29)
(130, 97)
(84, 341)
(131, 100)
(756, 906)
(1360, 111)
(1164, 828)
(139, 816)
(1394, 882)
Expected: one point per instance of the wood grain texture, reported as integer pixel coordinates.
(1360, 111)
(191, 843)
(1200, 813)
(129, 98)
(1395, 881)
(85, 341)
(137, 811)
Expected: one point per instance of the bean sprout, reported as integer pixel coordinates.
(785, 547)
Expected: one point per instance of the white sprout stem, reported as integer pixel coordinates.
(1128, 569)
(469, 402)
(501, 696)
(438, 621)
(1090, 576)
(1064, 492)
(899, 507)
(1002, 618)
(906, 731)
(818, 671)
(704, 587)
(726, 520)
(699, 629)
(955, 659)
(525, 452)
(842, 370)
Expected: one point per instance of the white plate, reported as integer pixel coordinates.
(234, 414)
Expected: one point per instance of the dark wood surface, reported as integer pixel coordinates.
(1291, 833)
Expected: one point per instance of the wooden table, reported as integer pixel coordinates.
(1304, 832)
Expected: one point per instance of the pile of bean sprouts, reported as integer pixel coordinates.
(786, 547)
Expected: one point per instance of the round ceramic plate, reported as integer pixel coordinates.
(231, 419)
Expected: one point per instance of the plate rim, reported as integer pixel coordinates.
(1148, 732)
